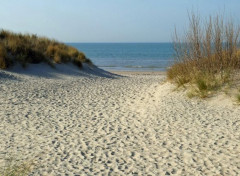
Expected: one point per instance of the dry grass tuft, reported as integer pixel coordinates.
(3, 56)
(238, 96)
(207, 56)
(25, 49)
(14, 168)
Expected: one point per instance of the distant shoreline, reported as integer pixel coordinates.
(124, 72)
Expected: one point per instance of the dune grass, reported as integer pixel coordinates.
(26, 49)
(13, 168)
(238, 96)
(206, 56)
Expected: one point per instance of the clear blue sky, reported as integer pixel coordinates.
(107, 20)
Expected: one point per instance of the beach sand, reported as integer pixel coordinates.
(85, 123)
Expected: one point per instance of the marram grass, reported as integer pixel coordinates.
(26, 49)
(207, 56)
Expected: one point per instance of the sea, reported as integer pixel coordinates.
(128, 56)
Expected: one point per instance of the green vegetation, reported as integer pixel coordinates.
(207, 56)
(16, 169)
(25, 49)
(238, 96)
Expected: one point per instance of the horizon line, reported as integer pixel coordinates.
(118, 42)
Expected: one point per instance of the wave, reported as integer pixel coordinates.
(107, 66)
(140, 66)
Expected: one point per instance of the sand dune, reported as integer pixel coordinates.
(95, 123)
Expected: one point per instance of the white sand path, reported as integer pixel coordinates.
(134, 125)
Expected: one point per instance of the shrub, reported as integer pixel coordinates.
(207, 55)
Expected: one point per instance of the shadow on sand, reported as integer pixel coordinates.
(45, 71)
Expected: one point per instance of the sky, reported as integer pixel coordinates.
(108, 20)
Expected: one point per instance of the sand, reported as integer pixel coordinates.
(96, 123)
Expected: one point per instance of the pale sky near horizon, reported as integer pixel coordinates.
(108, 20)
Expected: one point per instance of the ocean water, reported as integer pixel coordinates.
(128, 56)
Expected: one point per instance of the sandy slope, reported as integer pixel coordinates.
(105, 124)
